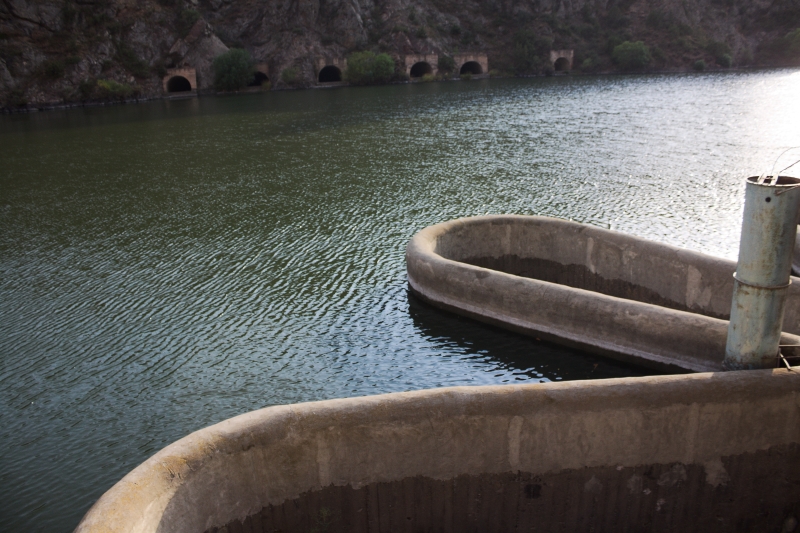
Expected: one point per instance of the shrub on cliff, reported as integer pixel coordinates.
(53, 69)
(290, 76)
(791, 44)
(115, 90)
(631, 55)
(132, 63)
(783, 50)
(186, 20)
(367, 68)
(232, 70)
(446, 64)
(529, 50)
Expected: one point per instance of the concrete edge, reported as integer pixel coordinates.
(489, 296)
(140, 500)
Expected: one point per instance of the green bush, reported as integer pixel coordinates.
(17, 98)
(113, 89)
(466, 76)
(615, 18)
(613, 42)
(717, 48)
(290, 76)
(446, 64)
(367, 68)
(699, 65)
(232, 70)
(785, 50)
(725, 61)
(721, 52)
(86, 89)
(186, 20)
(792, 45)
(529, 51)
(658, 20)
(631, 55)
(421, 33)
(53, 69)
(132, 63)
(659, 55)
(590, 64)
(428, 77)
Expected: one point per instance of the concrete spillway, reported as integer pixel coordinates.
(695, 452)
(632, 299)
(698, 452)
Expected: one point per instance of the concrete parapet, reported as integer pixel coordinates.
(636, 300)
(702, 452)
(467, 61)
(173, 79)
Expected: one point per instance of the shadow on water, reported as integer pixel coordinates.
(524, 357)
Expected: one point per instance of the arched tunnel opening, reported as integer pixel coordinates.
(471, 67)
(562, 63)
(258, 79)
(329, 74)
(178, 84)
(421, 68)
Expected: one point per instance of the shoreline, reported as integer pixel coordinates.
(58, 106)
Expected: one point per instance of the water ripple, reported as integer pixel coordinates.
(168, 265)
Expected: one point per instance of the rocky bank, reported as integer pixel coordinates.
(61, 51)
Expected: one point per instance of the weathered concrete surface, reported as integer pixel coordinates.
(569, 55)
(481, 59)
(431, 59)
(599, 290)
(700, 452)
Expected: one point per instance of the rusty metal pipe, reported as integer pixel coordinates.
(762, 277)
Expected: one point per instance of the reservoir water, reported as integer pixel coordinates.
(167, 265)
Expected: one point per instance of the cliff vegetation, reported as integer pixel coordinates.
(62, 51)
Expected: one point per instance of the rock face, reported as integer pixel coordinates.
(76, 50)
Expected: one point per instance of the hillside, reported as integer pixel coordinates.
(54, 51)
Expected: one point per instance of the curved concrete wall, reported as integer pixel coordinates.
(700, 452)
(599, 290)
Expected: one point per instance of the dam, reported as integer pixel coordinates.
(713, 451)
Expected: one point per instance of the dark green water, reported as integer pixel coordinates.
(167, 265)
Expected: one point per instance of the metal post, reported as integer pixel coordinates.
(762, 278)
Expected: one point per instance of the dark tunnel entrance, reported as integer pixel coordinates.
(420, 69)
(178, 84)
(330, 74)
(258, 79)
(471, 67)
(562, 63)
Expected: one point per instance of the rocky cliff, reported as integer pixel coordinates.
(77, 50)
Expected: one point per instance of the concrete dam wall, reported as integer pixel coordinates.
(636, 300)
(700, 452)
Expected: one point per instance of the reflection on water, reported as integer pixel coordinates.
(510, 357)
(168, 265)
